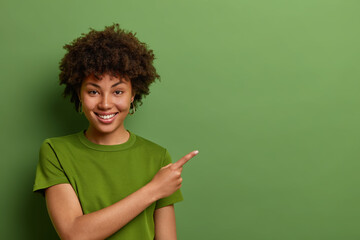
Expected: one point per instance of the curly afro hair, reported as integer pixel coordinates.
(113, 51)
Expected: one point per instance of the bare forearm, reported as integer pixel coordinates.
(103, 223)
(165, 223)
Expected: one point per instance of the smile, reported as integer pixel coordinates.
(106, 118)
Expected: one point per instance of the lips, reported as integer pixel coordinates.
(106, 117)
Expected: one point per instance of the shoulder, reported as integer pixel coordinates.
(153, 150)
(149, 145)
(60, 141)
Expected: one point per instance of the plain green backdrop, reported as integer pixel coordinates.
(267, 90)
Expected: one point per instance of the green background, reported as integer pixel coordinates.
(267, 90)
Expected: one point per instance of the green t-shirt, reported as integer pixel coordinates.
(102, 175)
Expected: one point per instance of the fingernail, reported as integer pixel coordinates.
(196, 151)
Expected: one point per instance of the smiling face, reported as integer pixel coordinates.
(106, 103)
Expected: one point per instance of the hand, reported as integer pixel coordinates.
(168, 179)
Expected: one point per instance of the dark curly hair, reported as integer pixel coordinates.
(113, 51)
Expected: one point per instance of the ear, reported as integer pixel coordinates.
(133, 94)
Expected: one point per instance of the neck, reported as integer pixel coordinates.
(119, 136)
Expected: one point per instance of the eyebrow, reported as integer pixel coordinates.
(95, 85)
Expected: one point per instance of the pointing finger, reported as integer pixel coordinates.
(185, 159)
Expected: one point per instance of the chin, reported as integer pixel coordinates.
(106, 130)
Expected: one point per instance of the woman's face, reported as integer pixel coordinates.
(106, 102)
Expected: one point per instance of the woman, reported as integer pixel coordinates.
(105, 181)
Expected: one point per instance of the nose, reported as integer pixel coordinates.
(105, 102)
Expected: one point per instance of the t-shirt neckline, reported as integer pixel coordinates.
(83, 139)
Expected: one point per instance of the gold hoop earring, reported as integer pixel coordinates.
(132, 109)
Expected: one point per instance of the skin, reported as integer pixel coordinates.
(113, 95)
(108, 95)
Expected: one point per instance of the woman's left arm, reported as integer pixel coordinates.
(165, 225)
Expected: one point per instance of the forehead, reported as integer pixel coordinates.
(106, 80)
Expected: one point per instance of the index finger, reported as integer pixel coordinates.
(185, 159)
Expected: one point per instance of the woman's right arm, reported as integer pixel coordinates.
(70, 222)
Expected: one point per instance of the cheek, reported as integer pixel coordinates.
(88, 103)
(123, 106)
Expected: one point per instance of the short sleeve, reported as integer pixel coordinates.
(49, 171)
(173, 198)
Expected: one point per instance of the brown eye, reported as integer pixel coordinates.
(118, 92)
(92, 92)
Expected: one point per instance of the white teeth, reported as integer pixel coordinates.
(106, 116)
